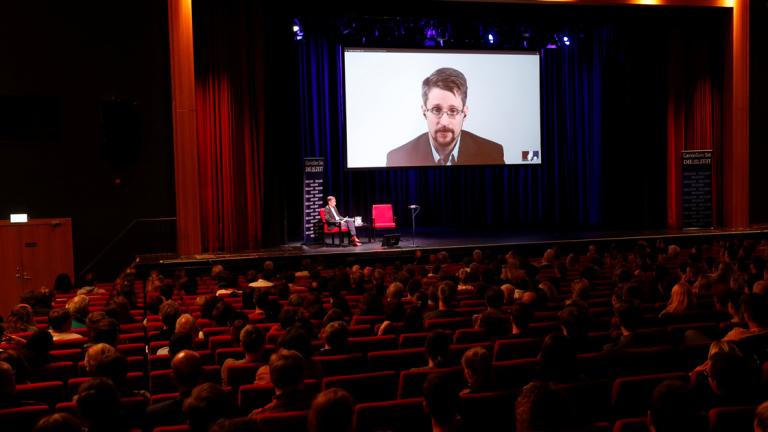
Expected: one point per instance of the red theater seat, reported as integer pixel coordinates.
(727, 419)
(283, 422)
(346, 364)
(513, 349)
(397, 360)
(23, 418)
(631, 396)
(412, 382)
(49, 393)
(370, 387)
(382, 218)
(406, 415)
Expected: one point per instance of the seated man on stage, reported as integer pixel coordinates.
(332, 215)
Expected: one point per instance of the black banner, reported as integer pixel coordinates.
(697, 189)
(314, 169)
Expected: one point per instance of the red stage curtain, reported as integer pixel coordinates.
(694, 118)
(229, 97)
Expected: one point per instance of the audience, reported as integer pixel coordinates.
(252, 342)
(286, 373)
(187, 370)
(331, 411)
(442, 402)
(207, 404)
(60, 323)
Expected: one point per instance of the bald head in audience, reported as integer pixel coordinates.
(186, 324)
(187, 369)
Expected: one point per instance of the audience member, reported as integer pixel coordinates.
(331, 411)
(20, 320)
(98, 403)
(673, 409)
(252, 342)
(207, 404)
(286, 372)
(442, 402)
(446, 292)
(60, 323)
(59, 422)
(478, 371)
(539, 407)
(335, 336)
(187, 370)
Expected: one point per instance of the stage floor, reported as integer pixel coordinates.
(433, 240)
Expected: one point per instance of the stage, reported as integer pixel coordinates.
(532, 243)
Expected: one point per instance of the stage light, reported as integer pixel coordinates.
(298, 31)
(566, 40)
(490, 38)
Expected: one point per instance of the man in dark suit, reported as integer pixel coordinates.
(445, 107)
(333, 215)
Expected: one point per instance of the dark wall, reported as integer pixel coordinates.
(85, 106)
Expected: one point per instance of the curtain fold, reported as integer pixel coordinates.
(229, 96)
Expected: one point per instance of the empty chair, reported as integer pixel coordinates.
(406, 415)
(382, 219)
(369, 387)
(413, 340)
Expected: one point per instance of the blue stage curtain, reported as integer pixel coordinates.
(565, 191)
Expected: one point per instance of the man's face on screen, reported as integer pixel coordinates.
(445, 116)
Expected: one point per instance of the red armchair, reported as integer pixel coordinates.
(332, 228)
(382, 218)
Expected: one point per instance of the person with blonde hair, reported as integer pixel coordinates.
(78, 308)
(95, 354)
(20, 320)
(681, 299)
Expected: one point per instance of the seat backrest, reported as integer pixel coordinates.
(369, 387)
(283, 422)
(398, 360)
(412, 381)
(22, 418)
(406, 415)
(731, 418)
(382, 213)
(631, 396)
(345, 364)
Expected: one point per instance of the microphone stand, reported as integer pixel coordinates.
(414, 210)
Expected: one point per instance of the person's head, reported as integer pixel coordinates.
(180, 342)
(438, 347)
(252, 339)
(20, 317)
(441, 398)
(494, 323)
(761, 418)
(39, 345)
(297, 339)
(63, 283)
(169, 313)
(206, 404)
(477, 364)
(59, 422)
(574, 320)
(286, 370)
(672, 408)
(628, 315)
(494, 298)
(733, 375)
(522, 315)
(60, 320)
(331, 411)
(187, 370)
(681, 298)
(444, 96)
(580, 289)
(539, 407)
(98, 402)
(331, 201)
(105, 331)
(755, 310)
(186, 325)
(446, 292)
(95, 354)
(113, 366)
(336, 334)
(18, 364)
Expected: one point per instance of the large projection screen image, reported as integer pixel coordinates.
(389, 124)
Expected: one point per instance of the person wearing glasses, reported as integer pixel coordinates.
(444, 93)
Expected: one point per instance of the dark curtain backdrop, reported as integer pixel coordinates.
(564, 191)
(229, 98)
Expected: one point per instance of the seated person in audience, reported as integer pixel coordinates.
(335, 336)
(700, 374)
(575, 322)
(94, 355)
(98, 403)
(224, 314)
(754, 309)
(558, 361)
(442, 402)
(540, 407)
(207, 404)
(313, 306)
(227, 285)
(522, 315)
(446, 292)
(105, 330)
(681, 300)
(286, 372)
(37, 351)
(63, 284)
(78, 308)
(169, 314)
(295, 339)
(8, 397)
(478, 371)
(332, 411)
(549, 289)
(580, 291)
(89, 286)
(371, 304)
(438, 348)
(495, 324)
(59, 422)
(185, 329)
(18, 364)
(20, 320)
(761, 418)
(394, 310)
(187, 374)
(734, 380)
(252, 341)
(628, 319)
(60, 323)
(114, 366)
(119, 309)
(673, 408)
